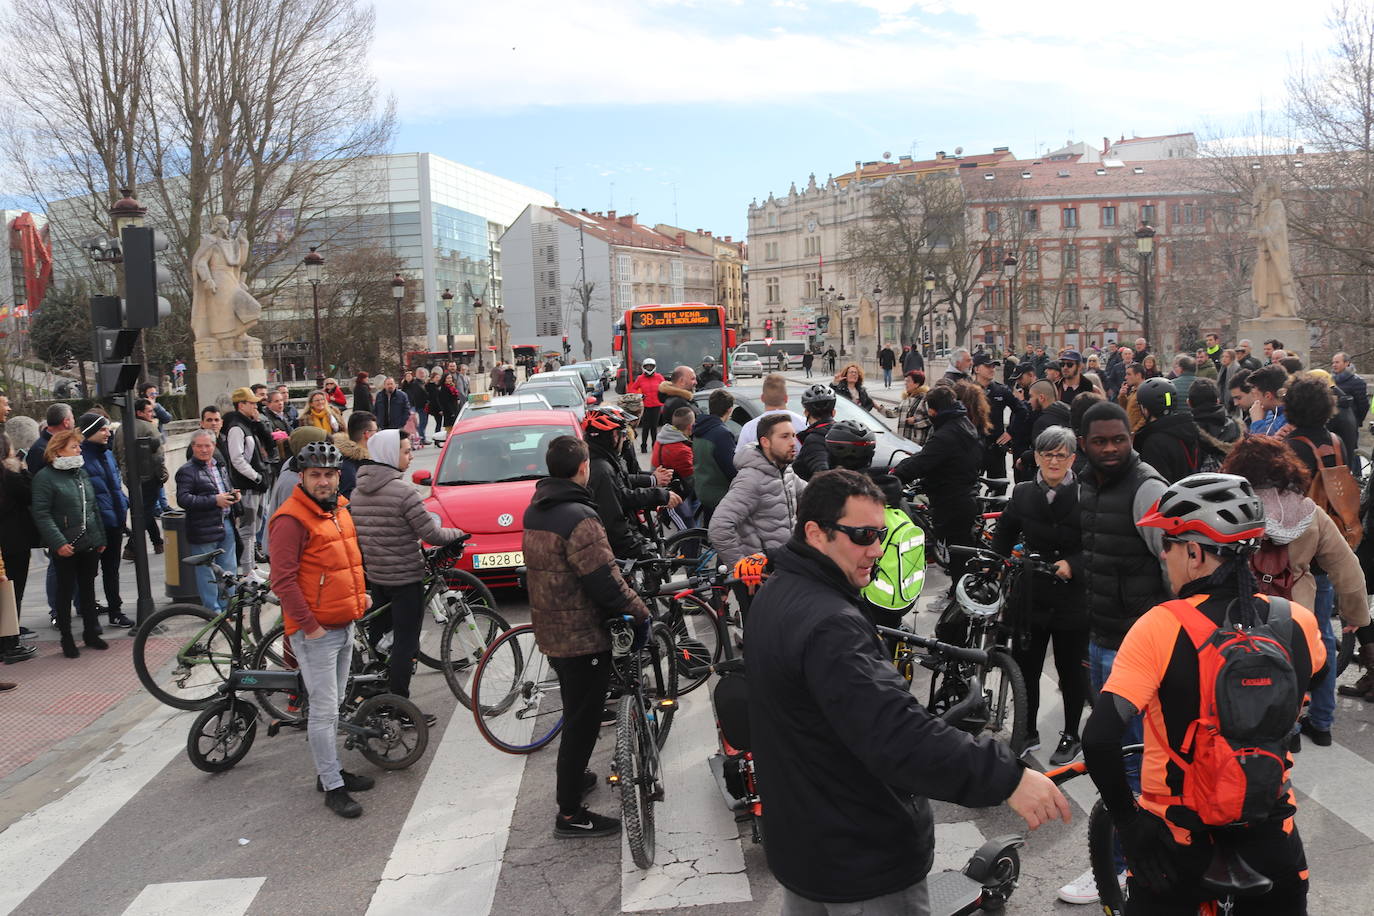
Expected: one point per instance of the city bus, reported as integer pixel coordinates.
(674, 335)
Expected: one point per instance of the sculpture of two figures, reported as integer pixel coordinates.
(222, 308)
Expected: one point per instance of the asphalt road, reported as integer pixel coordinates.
(121, 823)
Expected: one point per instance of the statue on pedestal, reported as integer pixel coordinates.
(1272, 284)
(222, 308)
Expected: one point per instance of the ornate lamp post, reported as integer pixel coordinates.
(930, 308)
(314, 273)
(127, 212)
(477, 333)
(398, 293)
(878, 313)
(1145, 247)
(1009, 270)
(448, 318)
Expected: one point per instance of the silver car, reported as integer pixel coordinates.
(746, 363)
(483, 403)
(563, 392)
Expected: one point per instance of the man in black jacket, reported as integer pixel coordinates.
(1046, 410)
(1169, 440)
(1343, 374)
(391, 406)
(818, 403)
(615, 490)
(1072, 382)
(847, 754)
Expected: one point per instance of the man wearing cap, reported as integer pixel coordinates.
(247, 468)
(103, 470)
(646, 384)
(1071, 382)
(1000, 401)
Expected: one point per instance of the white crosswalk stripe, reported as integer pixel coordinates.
(225, 897)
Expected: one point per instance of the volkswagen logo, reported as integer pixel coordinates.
(505, 520)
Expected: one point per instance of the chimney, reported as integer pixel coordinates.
(682, 239)
(627, 220)
(940, 154)
(1106, 145)
(858, 167)
(610, 214)
(728, 239)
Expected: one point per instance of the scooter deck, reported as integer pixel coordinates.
(953, 893)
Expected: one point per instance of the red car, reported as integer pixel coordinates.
(485, 478)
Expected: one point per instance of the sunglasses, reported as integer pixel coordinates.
(861, 535)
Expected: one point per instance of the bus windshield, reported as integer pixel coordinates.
(672, 347)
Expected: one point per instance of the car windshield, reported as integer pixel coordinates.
(561, 395)
(497, 455)
(589, 372)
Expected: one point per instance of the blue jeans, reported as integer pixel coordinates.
(887, 378)
(324, 665)
(205, 576)
(1321, 712)
(1100, 663)
(421, 422)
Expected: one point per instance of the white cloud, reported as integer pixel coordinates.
(1180, 55)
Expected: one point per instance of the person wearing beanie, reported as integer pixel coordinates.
(392, 522)
(103, 470)
(289, 475)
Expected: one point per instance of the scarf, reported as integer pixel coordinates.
(1051, 492)
(321, 418)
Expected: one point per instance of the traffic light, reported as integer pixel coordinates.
(822, 323)
(142, 277)
(111, 345)
(768, 324)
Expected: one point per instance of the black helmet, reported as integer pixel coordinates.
(319, 455)
(822, 396)
(850, 445)
(1158, 396)
(708, 360)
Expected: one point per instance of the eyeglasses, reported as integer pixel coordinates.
(1054, 456)
(862, 535)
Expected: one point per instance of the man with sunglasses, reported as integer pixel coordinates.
(848, 755)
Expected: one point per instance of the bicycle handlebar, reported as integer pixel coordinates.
(960, 653)
(1061, 775)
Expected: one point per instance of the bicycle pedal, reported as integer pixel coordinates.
(273, 727)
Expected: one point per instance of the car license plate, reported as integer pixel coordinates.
(497, 560)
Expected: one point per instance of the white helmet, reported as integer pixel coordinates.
(979, 595)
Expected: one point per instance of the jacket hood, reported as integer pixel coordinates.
(386, 447)
(1286, 515)
(669, 390)
(1060, 409)
(670, 434)
(1212, 419)
(706, 425)
(552, 491)
(752, 457)
(956, 416)
(373, 476)
(348, 448)
(1180, 425)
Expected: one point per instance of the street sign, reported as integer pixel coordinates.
(768, 341)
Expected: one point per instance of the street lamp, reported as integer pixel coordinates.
(930, 308)
(878, 313)
(498, 326)
(127, 212)
(477, 332)
(314, 272)
(1009, 269)
(1145, 246)
(448, 318)
(398, 293)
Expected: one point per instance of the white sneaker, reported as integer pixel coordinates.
(1083, 889)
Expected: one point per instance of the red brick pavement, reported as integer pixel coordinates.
(57, 697)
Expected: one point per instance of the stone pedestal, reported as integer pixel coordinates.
(1292, 331)
(223, 365)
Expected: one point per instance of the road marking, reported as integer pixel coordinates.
(1326, 774)
(1051, 721)
(225, 897)
(38, 844)
(698, 857)
(450, 848)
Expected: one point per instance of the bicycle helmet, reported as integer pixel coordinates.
(1220, 511)
(319, 455)
(978, 595)
(603, 420)
(1158, 396)
(850, 445)
(822, 396)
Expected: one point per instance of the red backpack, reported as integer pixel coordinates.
(1272, 569)
(1234, 753)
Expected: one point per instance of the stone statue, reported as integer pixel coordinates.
(222, 309)
(1272, 284)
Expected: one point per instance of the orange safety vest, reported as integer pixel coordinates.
(331, 571)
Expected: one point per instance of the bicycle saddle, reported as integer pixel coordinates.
(202, 559)
(1229, 874)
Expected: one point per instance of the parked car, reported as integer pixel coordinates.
(746, 363)
(483, 402)
(890, 448)
(561, 391)
(590, 372)
(485, 478)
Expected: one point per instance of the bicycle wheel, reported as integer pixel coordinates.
(637, 777)
(516, 698)
(692, 551)
(274, 654)
(471, 587)
(1102, 860)
(937, 551)
(222, 734)
(401, 734)
(1004, 688)
(698, 637)
(659, 674)
(465, 639)
(182, 655)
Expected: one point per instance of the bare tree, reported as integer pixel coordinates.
(581, 305)
(891, 247)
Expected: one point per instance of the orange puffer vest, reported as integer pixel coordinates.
(331, 573)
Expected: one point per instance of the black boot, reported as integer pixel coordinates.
(91, 635)
(69, 648)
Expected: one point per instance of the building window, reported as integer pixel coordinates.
(1070, 257)
(809, 285)
(676, 272)
(1111, 296)
(1032, 297)
(1109, 216)
(1071, 295)
(627, 298)
(992, 219)
(1109, 257)
(1070, 217)
(987, 259)
(770, 251)
(1033, 338)
(622, 267)
(1031, 219)
(1031, 259)
(773, 218)
(771, 291)
(1147, 213)
(813, 246)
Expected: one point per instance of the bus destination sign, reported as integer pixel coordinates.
(676, 318)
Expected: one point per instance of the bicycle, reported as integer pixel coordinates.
(466, 632)
(1227, 877)
(916, 504)
(204, 642)
(699, 626)
(517, 702)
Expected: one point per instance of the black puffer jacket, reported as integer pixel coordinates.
(1171, 445)
(1051, 531)
(812, 457)
(949, 464)
(845, 753)
(617, 493)
(859, 395)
